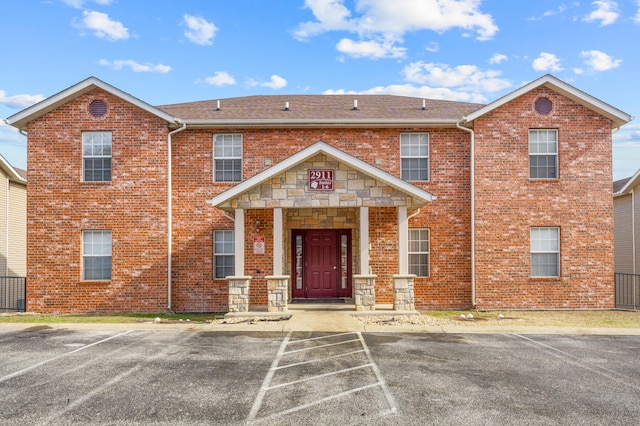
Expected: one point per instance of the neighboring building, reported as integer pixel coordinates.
(13, 220)
(133, 207)
(626, 207)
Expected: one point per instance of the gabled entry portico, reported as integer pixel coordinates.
(342, 208)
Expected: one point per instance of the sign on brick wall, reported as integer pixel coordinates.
(320, 180)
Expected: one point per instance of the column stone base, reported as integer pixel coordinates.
(239, 294)
(278, 293)
(364, 290)
(403, 293)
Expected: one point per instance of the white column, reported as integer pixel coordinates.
(277, 241)
(364, 241)
(403, 241)
(239, 243)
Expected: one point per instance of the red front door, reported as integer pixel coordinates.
(321, 263)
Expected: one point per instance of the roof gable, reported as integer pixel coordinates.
(625, 186)
(617, 116)
(22, 118)
(13, 173)
(419, 196)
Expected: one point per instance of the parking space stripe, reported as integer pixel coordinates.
(317, 360)
(26, 370)
(320, 376)
(320, 346)
(365, 362)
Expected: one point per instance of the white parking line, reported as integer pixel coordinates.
(282, 352)
(26, 370)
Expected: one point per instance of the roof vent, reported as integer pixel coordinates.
(355, 105)
(218, 106)
(286, 106)
(543, 106)
(98, 108)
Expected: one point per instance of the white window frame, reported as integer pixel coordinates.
(224, 247)
(542, 146)
(96, 249)
(548, 246)
(418, 247)
(92, 150)
(219, 141)
(414, 140)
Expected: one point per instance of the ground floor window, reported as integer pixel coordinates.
(419, 252)
(545, 252)
(96, 255)
(224, 253)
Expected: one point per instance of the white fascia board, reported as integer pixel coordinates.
(317, 148)
(617, 116)
(268, 123)
(10, 171)
(631, 183)
(22, 118)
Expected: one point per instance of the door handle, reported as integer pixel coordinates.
(334, 268)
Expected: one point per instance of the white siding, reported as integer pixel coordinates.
(623, 240)
(3, 222)
(17, 229)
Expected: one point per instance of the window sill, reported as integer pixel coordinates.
(544, 180)
(92, 182)
(94, 282)
(545, 279)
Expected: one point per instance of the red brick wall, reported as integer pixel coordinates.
(194, 221)
(508, 204)
(60, 206)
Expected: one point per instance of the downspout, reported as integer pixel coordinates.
(170, 208)
(633, 230)
(473, 213)
(6, 240)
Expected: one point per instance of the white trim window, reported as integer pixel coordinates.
(414, 156)
(96, 156)
(227, 157)
(545, 252)
(543, 154)
(419, 252)
(223, 253)
(96, 255)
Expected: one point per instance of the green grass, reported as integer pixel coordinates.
(104, 318)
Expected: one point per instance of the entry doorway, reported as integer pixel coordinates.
(321, 263)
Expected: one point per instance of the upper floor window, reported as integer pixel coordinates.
(419, 252)
(545, 252)
(543, 154)
(96, 255)
(414, 156)
(96, 156)
(227, 158)
(223, 253)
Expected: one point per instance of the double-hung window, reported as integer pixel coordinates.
(545, 252)
(543, 154)
(224, 253)
(227, 157)
(419, 252)
(96, 156)
(414, 156)
(96, 255)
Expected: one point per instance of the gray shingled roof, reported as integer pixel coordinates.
(21, 172)
(322, 107)
(619, 184)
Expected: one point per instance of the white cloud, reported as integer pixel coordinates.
(432, 47)
(427, 92)
(389, 20)
(118, 64)
(102, 26)
(599, 61)
(275, 83)
(19, 101)
(497, 58)
(79, 4)
(547, 62)
(606, 12)
(636, 18)
(370, 49)
(220, 78)
(200, 30)
(466, 78)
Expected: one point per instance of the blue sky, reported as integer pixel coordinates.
(180, 51)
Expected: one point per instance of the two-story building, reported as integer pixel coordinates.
(260, 200)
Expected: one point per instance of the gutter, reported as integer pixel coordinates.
(170, 210)
(473, 213)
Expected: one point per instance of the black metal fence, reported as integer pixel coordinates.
(13, 294)
(627, 291)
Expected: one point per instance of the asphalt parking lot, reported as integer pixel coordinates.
(132, 377)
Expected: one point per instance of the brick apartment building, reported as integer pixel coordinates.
(213, 205)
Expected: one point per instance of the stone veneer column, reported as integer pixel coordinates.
(238, 294)
(364, 290)
(403, 294)
(277, 293)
